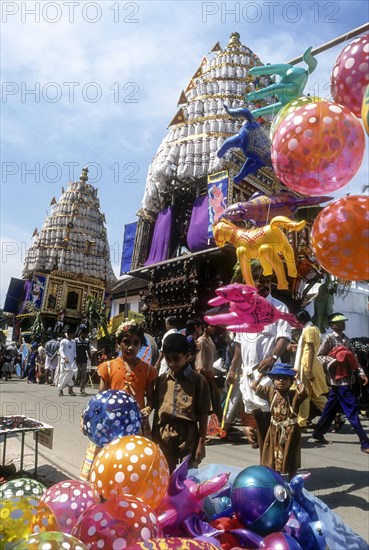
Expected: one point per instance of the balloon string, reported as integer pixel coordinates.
(268, 212)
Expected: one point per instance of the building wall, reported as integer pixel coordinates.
(355, 306)
(133, 303)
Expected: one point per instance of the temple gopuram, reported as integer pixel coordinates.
(172, 245)
(69, 260)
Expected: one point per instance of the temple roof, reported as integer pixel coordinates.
(201, 124)
(73, 238)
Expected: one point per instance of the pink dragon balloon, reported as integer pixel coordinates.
(248, 312)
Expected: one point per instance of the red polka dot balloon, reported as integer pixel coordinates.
(318, 148)
(116, 524)
(350, 75)
(131, 465)
(340, 238)
(68, 499)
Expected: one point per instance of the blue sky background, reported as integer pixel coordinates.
(138, 57)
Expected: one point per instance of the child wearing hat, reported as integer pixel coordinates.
(282, 445)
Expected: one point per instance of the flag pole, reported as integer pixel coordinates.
(334, 42)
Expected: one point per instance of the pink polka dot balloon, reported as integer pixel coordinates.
(340, 238)
(68, 499)
(131, 465)
(116, 524)
(318, 148)
(350, 75)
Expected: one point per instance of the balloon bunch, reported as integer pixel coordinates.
(129, 479)
(129, 475)
(317, 147)
(257, 509)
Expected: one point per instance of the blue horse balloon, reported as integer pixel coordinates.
(253, 142)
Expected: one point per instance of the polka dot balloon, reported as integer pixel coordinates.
(22, 487)
(340, 238)
(318, 148)
(111, 414)
(20, 516)
(68, 499)
(54, 540)
(116, 524)
(290, 108)
(131, 465)
(350, 75)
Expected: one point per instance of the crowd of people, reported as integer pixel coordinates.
(273, 382)
(60, 361)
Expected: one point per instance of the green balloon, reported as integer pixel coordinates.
(22, 487)
(288, 109)
(58, 540)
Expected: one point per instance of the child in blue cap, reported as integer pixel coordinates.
(282, 446)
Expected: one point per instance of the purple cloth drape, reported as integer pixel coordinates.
(160, 240)
(197, 236)
(27, 290)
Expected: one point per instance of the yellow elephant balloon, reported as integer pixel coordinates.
(289, 109)
(263, 244)
(20, 516)
(365, 110)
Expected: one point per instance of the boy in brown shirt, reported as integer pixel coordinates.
(182, 404)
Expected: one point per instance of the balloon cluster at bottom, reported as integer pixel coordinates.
(257, 510)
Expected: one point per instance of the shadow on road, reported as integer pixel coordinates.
(49, 475)
(337, 485)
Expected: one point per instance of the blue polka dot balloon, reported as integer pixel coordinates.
(111, 414)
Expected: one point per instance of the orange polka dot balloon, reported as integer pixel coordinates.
(340, 238)
(131, 465)
(318, 148)
(350, 75)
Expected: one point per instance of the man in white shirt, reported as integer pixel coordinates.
(256, 353)
(68, 366)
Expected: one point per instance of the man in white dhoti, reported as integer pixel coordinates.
(68, 366)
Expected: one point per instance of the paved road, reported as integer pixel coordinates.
(339, 472)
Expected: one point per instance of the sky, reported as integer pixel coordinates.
(97, 83)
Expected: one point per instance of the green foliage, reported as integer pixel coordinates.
(95, 312)
(37, 328)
